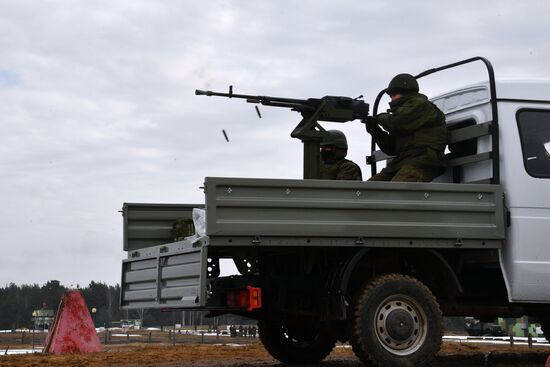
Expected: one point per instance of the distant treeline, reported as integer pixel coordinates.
(17, 303)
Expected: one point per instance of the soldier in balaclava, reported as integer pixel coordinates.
(334, 165)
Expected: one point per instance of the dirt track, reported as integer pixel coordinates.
(252, 355)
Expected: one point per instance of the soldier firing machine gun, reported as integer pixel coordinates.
(328, 108)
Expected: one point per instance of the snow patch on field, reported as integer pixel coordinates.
(127, 335)
(20, 351)
(231, 345)
(496, 340)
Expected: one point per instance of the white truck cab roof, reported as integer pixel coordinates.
(523, 89)
(506, 90)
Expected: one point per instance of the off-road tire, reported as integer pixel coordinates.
(396, 321)
(293, 349)
(356, 347)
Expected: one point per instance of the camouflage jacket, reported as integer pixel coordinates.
(415, 133)
(343, 169)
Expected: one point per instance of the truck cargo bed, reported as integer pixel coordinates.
(268, 213)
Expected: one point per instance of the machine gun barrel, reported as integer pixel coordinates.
(329, 108)
(264, 100)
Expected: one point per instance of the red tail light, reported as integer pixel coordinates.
(249, 298)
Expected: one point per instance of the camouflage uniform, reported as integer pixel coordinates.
(343, 169)
(416, 135)
(334, 165)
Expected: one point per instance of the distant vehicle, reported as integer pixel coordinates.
(374, 263)
(475, 327)
(127, 324)
(42, 318)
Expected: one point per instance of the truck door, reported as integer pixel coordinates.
(525, 152)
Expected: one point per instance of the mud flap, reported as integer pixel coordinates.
(168, 276)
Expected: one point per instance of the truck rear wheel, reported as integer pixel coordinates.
(296, 342)
(396, 321)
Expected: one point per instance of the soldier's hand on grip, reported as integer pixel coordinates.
(371, 124)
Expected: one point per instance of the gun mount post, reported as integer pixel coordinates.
(312, 158)
(311, 134)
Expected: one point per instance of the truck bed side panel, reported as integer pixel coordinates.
(167, 276)
(258, 208)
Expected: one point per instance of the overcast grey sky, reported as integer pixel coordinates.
(98, 106)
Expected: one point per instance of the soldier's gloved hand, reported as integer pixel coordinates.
(371, 124)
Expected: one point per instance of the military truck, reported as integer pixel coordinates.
(375, 264)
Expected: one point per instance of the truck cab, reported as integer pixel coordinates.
(375, 264)
(524, 169)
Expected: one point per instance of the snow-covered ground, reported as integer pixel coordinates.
(20, 351)
(23, 330)
(128, 335)
(519, 340)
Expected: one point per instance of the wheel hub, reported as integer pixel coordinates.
(400, 324)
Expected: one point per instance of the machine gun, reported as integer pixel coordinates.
(328, 108)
